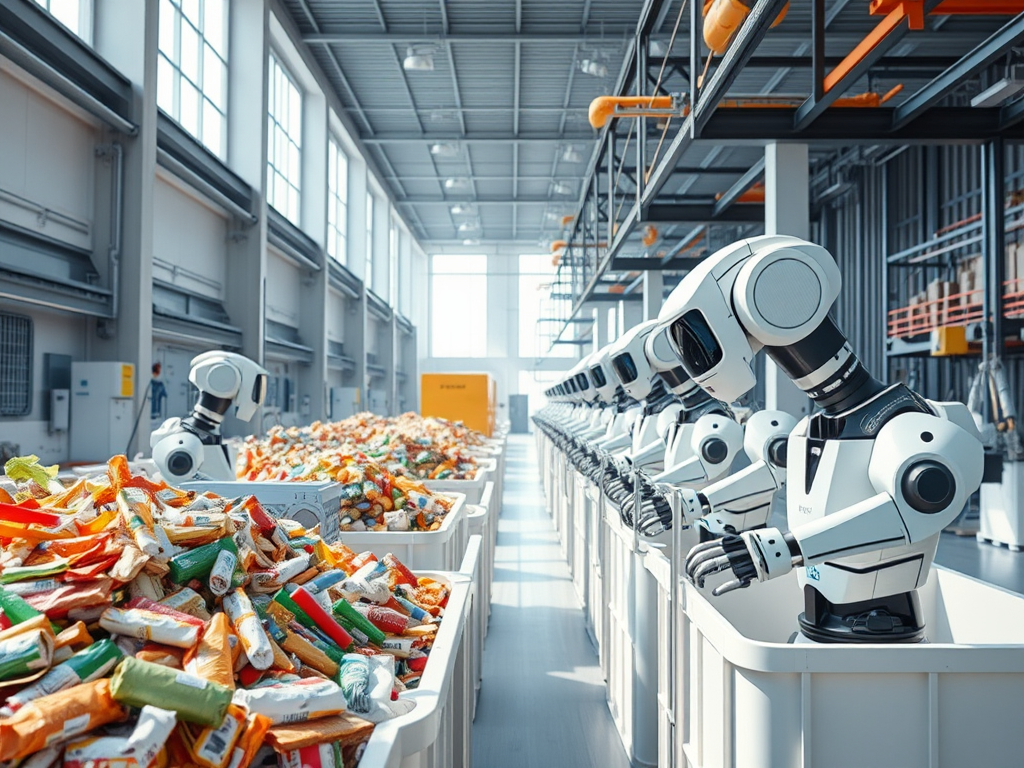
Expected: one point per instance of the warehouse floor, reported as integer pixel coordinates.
(543, 698)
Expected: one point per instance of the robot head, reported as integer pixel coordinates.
(630, 362)
(223, 378)
(766, 291)
(578, 375)
(601, 376)
(662, 359)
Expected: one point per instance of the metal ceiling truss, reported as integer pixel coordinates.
(617, 200)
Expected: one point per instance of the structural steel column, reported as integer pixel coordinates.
(653, 293)
(786, 212)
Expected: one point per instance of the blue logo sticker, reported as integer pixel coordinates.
(812, 573)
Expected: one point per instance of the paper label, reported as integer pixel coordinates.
(295, 717)
(397, 644)
(32, 587)
(213, 748)
(183, 678)
(72, 727)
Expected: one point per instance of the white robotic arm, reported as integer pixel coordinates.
(924, 468)
(191, 448)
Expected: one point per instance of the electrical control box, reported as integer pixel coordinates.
(101, 409)
(467, 397)
(345, 402)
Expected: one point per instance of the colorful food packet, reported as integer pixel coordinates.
(314, 756)
(211, 659)
(248, 628)
(213, 747)
(293, 702)
(343, 729)
(347, 614)
(138, 750)
(136, 511)
(87, 665)
(26, 651)
(149, 625)
(194, 699)
(256, 727)
(370, 582)
(187, 601)
(58, 716)
(367, 682)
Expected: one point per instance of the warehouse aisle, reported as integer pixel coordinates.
(543, 698)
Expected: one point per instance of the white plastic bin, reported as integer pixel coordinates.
(579, 565)
(441, 550)
(309, 504)
(596, 604)
(473, 568)
(437, 733)
(754, 701)
(483, 521)
(471, 489)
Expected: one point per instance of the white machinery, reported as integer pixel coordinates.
(101, 409)
(192, 448)
(876, 474)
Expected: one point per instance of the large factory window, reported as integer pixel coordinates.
(337, 204)
(15, 365)
(284, 156)
(458, 316)
(76, 15)
(192, 68)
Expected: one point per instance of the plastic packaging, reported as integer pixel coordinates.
(137, 683)
(344, 729)
(248, 628)
(56, 717)
(139, 750)
(345, 612)
(212, 658)
(293, 702)
(85, 666)
(148, 625)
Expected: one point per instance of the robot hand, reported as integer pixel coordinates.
(753, 555)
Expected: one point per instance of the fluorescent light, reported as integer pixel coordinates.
(572, 155)
(594, 68)
(561, 188)
(1001, 90)
(461, 209)
(468, 226)
(456, 182)
(422, 61)
(444, 149)
(471, 241)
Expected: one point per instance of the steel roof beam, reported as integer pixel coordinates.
(994, 48)
(745, 182)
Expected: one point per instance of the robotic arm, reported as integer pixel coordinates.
(191, 448)
(924, 468)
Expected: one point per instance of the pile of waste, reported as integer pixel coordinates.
(145, 625)
(408, 445)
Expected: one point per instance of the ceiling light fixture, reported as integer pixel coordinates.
(456, 182)
(471, 241)
(572, 155)
(468, 226)
(418, 60)
(594, 68)
(461, 209)
(562, 188)
(1001, 90)
(444, 149)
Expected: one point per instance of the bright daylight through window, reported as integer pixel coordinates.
(76, 15)
(458, 316)
(192, 68)
(284, 157)
(337, 204)
(537, 308)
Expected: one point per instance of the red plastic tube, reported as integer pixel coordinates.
(323, 619)
(16, 513)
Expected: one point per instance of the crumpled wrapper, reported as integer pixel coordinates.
(59, 716)
(149, 625)
(343, 729)
(138, 750)
(307, 699)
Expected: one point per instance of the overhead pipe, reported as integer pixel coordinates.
(723, 18)
(116, 152)
(34, 65)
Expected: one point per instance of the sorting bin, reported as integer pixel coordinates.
(754, 700)
(442, 549)
(437, 733)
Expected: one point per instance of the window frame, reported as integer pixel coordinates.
(473, 266)
(371, 205)
(170, 62)
(83, 29)
(277, 62)
(337, 203)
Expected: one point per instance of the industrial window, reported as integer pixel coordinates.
(393, 246)
(368, 271)
(458, 316)
(537, 309)
(192, 68)
(15, 365)
(76, 15)
(337, 204)
(285, 140)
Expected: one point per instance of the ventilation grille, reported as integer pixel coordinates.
(15, 365)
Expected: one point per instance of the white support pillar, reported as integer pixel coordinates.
(601, 326)
(653, 294)
(631, 313)
(786, 212)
